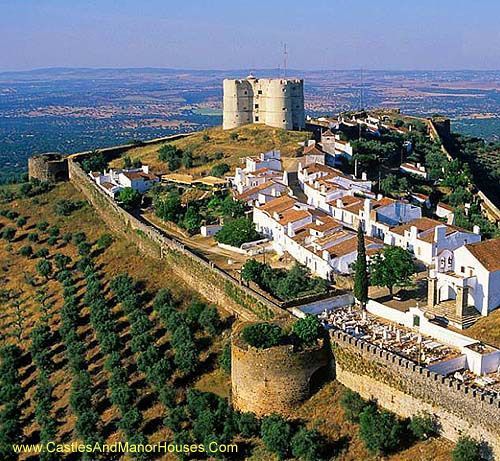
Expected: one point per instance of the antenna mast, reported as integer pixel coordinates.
(285, 59)
(361, 101)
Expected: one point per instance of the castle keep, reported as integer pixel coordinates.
(274, 102)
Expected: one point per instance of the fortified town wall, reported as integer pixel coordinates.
(276, 379)
(406, 389)
(201, 274)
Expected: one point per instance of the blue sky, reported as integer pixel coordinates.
(222, 34)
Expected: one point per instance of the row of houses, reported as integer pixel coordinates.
(319, 230)
(114, 180)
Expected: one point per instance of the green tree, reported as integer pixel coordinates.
(62, 261)
(21, 221)
(168, 207)
(252, 271)
(380, 431)
(307, 329)
(26, 251)
(361, 282)
(8, 233)
(237, 232)
(466, 449)
(210, 320)
(422, 426)
(394, 267)
(276, 434)
(262, 335)
(187, 159)
(192, 219)
(220, 169)
(129, 198)
(44, 268)
(307, 445)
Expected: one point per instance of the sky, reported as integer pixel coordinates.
(222, 34)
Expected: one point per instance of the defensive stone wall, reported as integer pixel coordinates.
(406, 389)
(48, 167)
(277, 379)
(198, 272)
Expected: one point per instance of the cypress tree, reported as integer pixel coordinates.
(361, 273)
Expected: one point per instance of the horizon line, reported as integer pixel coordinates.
(242, 69)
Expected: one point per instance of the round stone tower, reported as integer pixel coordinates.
(276, 379)
(51, 166)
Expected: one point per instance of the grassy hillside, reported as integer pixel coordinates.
(29, 297)
(252, 139)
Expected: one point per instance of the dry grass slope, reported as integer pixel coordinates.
(252, 139)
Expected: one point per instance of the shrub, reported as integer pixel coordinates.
(353, 405)
(54, 231)
(466, 449)
(220, 169)
(422, 426)
(248, 425)
(8, 233)
(210, 320)
(21, 221)
(42, 253)
(104, 241)
(33, 237)
(262, 335)
(66, 207)
(225, 358)
(307, 445)
(380, 430)
(79, 237)
(26, 251)
(276, 434)
(42, 226)
(52, 241)
(308, 329)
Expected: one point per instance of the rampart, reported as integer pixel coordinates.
(406, 389)
(198, 272)
(277, 379)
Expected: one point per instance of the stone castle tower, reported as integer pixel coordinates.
(275, 102)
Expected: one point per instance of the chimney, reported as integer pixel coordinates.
(380, 196)
(413, 233)
(145, 168)
(338, 203)
(477, 230)
(439, 233)
(363, 176)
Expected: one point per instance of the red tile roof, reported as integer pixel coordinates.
(487, 253)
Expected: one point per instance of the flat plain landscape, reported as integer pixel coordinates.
(70, 110)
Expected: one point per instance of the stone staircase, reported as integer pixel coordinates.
(445, 314)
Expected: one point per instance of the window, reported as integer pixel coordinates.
(284, 108)
(416, 321)
(462, 269)
(256, 106)
(259, 92)
(256, 119)
(246, 92)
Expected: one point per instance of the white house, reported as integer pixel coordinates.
(415, 169)
(114, 180)
(426, 238)
(469, 274)
(313, 238)
(258, 170)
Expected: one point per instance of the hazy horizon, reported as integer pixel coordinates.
(330, 35)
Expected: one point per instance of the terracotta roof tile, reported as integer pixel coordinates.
(487, 253)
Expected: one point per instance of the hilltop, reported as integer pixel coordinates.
(215, 145)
